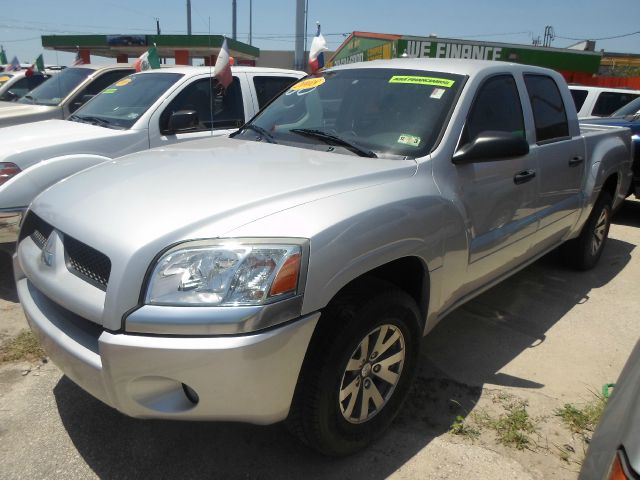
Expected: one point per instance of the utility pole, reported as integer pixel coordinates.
(157, 26)
(250, 21)
(188, 17)
(233, 19)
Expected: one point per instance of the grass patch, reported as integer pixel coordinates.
(513, 427)
(23, 347)
(582, 420)
(464, 429)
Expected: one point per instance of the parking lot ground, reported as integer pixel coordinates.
(545, 337)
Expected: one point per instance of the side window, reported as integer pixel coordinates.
(579, 96)
(495, 108)
(17, 90)
(609, 102)
(228, 108)
(97, 85)
(269, 87)
(549, 114)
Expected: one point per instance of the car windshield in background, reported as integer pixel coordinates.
(367, 112)
(121, 104)
(57, 87)
(630, 108)
(4, 78)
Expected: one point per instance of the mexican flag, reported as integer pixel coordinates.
(148, 60)
(222, 68)
(37, 66)
(3, 57)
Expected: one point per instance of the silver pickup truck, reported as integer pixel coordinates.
(290, 272)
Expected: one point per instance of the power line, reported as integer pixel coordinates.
(601, 38)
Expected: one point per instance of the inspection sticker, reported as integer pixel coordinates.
(430, 81)
(4, 78)
(407, 139)
(308, 83)
(123, 82)
(437, 93)
(110, 90)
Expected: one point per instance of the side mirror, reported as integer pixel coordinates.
(78, 103)
(490, 146)
(183, 121)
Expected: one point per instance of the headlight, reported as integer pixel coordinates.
(225, 273)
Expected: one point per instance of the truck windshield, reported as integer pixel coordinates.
(54, 90)
(630, 108)
(364, 111)
(121, 104)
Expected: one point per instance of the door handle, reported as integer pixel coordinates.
(575, 161)
(524, 177)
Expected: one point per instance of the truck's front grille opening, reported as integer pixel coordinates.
(37, 229)
(86, 262)
(81, 259)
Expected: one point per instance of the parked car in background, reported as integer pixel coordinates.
(16, 84)
(145, 110)
(600, 101)
(624, 118)
(614, 449)
(62, 94)
(290, 271)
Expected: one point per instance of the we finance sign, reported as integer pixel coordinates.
(446, 49)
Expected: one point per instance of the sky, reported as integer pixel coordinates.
(509, 21)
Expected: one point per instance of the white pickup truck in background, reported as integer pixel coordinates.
(145, 110)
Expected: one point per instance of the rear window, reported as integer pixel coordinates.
(549, 115)
(609, 102)
(579, 96)
(269, 87)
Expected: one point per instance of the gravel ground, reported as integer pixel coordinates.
(547, 335)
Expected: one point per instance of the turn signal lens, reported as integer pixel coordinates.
(287, 278)
(8, 170)
(617, 471)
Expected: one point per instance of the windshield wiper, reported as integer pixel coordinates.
(334, 140)
(92, 120)
(250, 126)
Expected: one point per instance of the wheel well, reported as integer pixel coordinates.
(611, 185)
(410, 274)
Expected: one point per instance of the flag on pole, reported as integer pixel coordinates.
(3, 56)
(148, 60)
(78, 60)
(37, 66)
(222, 68)
(14, 65)
(316, 53)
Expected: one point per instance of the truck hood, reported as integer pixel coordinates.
(27, 144)
(201, 189)
(13, 113)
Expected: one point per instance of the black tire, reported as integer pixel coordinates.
(584, 251)
(317, 415)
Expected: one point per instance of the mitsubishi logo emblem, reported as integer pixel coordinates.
(48, 252)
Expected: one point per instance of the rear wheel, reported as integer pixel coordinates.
(584, 252)
(358, 370)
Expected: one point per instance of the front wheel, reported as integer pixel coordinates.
(584, 252)
(358, 371)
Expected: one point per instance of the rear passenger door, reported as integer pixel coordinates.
(499, 196)
(560, 156)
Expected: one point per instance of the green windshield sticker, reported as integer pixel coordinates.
(430, 81)
(407, 139)
(110, 90)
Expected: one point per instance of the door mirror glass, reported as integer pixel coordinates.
(183, 121)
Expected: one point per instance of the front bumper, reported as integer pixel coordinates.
(10, 224)
(249, 378)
